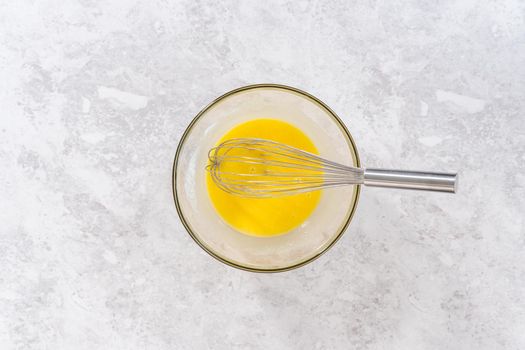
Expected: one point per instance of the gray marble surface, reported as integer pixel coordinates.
(94, 96)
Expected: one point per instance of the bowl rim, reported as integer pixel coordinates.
(188, 129)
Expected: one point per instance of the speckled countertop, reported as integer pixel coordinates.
(94, 96)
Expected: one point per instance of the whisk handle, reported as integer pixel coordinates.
(414, 180)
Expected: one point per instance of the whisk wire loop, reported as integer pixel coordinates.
(259, 168)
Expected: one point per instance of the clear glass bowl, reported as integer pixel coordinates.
(263, 254)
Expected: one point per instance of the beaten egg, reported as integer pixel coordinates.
(264, 217)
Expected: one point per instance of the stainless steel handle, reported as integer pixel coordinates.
(415, 180)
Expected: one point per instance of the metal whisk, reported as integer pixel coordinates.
(259, 168)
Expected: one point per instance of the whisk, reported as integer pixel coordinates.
(259, 168)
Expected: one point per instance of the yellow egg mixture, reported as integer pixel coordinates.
(265, 216)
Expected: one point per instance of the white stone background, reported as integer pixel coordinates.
(94, 96)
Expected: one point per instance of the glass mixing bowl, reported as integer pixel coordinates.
(263, 254)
